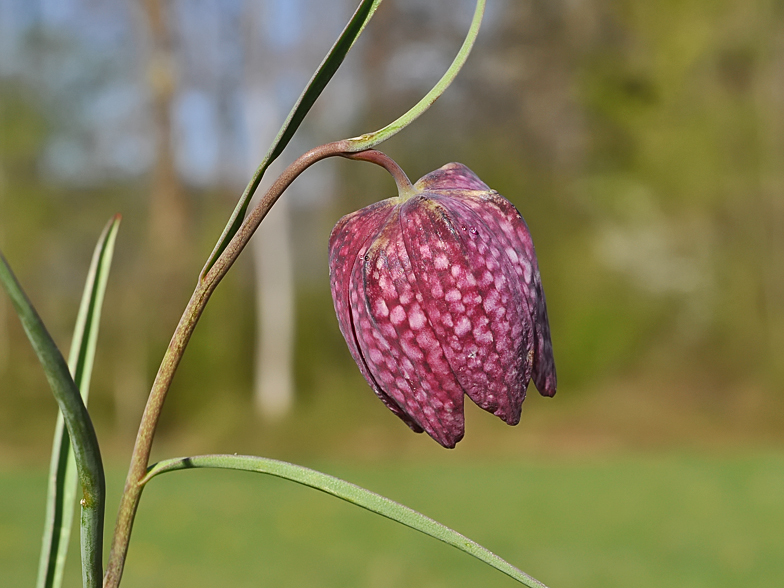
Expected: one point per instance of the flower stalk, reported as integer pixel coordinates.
(238, 232)
(405, 188)
(171, 359)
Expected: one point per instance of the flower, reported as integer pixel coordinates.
(438, 294)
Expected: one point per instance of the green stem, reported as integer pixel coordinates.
(369, 140)
(322, 76)
(358, 22)
(171, 359)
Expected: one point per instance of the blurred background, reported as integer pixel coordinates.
(642, 141)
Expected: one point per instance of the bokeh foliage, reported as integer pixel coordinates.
(641, 141)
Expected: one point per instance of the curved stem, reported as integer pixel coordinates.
(404, 187)
(369, 140)
(171, 359)
(213, 272)
(317, 83)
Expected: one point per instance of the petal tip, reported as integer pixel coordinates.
(452, 176)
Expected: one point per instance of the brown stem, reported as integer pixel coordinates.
(404, 187)
(171, 359)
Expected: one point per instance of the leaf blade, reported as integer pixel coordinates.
(370, 140)
(61, 495)
(77, 422)
(313, 89)
(350, 493)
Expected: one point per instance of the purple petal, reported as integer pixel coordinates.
(452, 176)
(468, 289)
(510, 229)
(348, 243)
(398, 343)
(440, 295)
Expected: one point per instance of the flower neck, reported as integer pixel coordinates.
(405, 188)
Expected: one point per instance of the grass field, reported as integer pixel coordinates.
(638, 521)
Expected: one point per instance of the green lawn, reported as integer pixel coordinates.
(636, 521)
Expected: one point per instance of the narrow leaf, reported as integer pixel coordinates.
(61, 496)
(77, 422)
(315, 86)
(350, 493)
(370, 140)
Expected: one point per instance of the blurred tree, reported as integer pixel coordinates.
(165, 258)
(272, 37)
(3, 187)
(168, 204)
(284, 42)
(3, 305)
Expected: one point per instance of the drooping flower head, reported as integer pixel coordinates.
(438, 294)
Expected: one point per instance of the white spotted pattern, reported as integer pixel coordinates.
(440, 295)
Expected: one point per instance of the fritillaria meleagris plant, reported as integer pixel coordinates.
(438, 294)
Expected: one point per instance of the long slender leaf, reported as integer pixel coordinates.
(77, 422)
(61, 496)
(369, 140)
(316, 85)
(350, 493)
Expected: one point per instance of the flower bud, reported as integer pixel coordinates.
(438, 294)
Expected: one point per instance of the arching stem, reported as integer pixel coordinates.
(171, 359)
(404, 187)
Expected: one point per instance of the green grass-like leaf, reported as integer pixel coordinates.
(61, 494)
(315, 86)
(80, 429)
(350, 493)
(369, 140)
